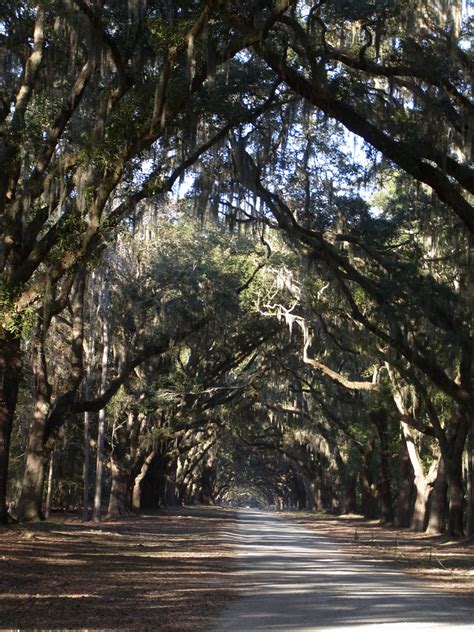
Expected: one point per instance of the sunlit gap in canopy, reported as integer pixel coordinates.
(366, 157)
(355, 150)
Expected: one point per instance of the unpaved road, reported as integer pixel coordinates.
(297, 581)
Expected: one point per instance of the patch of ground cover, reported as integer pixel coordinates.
(446, 564)
(167, 571)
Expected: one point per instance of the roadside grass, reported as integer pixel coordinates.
(444, 563)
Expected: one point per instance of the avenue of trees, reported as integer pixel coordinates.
(237, 257)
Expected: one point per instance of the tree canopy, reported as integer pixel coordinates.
(242, 233)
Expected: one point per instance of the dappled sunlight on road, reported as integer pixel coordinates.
(294, 580)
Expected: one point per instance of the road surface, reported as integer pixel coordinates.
(298, 581)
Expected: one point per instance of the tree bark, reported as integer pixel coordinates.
(455, 495)
(86, 468)
(422, 481)
(171, 499)
(181, 479)
(87, 395)
(404, 499)
(470, 478)
(457, 438)
(420, 509)
(437, 506)
(369, 504)
(468, 382)
(49, 489)
(121, 468)
(350, 496)
(118, 501)
(40, 444)
(384, 485)
(31, 497)
(10, 375)
(137, 483)
(153, 483)
(105, 300)
(456, 502)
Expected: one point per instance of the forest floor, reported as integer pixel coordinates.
(445, 564)
(175, 570)
(168, 571)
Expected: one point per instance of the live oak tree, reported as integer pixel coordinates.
(400, 78)
(410, 310)
(397, 75)
(325, 225)
(170, 278)
(257, 104)
(88, 94)
(166, 281)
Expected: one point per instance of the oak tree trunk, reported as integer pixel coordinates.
(423, 490)
(457, 440)
(105, 302)
(438, 498)
(369, 503)
(470, 478)
(137, 483)
(10, 375)
(384, 484)
(171, 499)
(121, 468)
(455, 498)
(87, 394)
(405, 491)
(118, 502)
(31, 497)
(49, 489)
(350, 496)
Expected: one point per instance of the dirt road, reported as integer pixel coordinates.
(297, 581)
